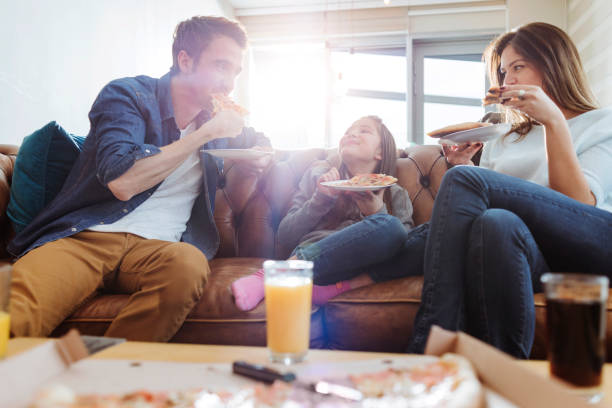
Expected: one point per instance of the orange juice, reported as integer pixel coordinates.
(4, 332)
(288, 301)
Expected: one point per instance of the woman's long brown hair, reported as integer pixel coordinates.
(555, 56)
(388, 162)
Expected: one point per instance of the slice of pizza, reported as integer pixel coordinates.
(450, 381)
(493, 96)
(222, 102)
(459, 127)
(371, 180)
(258, 396)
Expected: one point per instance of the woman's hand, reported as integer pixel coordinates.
(532, 101)
(369, 202)
(461, 154)
(331, 175)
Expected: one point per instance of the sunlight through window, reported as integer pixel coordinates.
(288, 94)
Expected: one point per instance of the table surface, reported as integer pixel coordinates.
(199, 353)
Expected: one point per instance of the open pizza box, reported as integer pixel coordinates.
(62, 361)
(501, 373)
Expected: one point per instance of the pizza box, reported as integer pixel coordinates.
(507, 383)
(501, 373)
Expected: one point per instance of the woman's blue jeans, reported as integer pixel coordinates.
(491, 238)
(379, 246)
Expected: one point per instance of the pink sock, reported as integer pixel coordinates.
(321, 294)
(249, 291)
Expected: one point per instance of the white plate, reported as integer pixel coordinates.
(338, 184)
(239, 153)
(481, 134)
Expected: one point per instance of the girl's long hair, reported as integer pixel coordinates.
(555, 56)
(388, 162)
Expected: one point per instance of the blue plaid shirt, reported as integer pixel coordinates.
(130, 120)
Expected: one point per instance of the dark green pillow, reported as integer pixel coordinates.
(42, 165)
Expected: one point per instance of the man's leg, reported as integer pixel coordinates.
(166, 279)
(51, 281)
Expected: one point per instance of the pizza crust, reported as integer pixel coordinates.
(493, 96)
(222, 102)
(459, 127)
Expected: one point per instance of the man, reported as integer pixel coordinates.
(135, 215)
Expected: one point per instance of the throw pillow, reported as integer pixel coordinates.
(42, 165)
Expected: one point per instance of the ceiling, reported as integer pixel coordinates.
(263, 7)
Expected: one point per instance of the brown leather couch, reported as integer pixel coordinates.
(248, 211)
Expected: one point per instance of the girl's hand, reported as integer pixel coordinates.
(461, 154)
(532, 101)
(369, 202)
(331, 175)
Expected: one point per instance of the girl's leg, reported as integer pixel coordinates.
(407, 262)
(336, 258)
(502, 261)
(569, 234)
(344, 254)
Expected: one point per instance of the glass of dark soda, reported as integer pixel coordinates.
(576, 329)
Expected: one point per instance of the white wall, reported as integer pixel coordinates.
(57, 55)
(589, 23)
(528, 11)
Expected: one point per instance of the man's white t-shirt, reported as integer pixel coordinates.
(164, 215)
(592, 138)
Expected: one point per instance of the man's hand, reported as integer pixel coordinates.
(226, 123)
(256, 166)
(369, 202)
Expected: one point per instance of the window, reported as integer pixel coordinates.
(368, 83)
(288, 90)
(307, 95)
(450, 81)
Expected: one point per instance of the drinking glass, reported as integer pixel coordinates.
(5, 287)
(288, 288)
(576, 329)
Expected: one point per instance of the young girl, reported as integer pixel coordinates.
(540, 201)
(347, 235)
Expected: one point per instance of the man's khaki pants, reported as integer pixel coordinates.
(165, 280)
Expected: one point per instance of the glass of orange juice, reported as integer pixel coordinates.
(5, 285)
(288, 286)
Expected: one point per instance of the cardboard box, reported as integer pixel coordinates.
(58, 361)
(502, 374)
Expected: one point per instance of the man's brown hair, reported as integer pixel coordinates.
(554, 54)
(195, 34)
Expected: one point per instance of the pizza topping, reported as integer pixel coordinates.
(223, 102)
(448, 381)
(367, 180)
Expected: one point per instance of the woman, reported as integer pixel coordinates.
(350, 237)
(540, 201)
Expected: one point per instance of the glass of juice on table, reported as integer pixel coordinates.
(5, 285)
(288, 286)
(576, 330)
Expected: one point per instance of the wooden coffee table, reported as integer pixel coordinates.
(197, 353)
